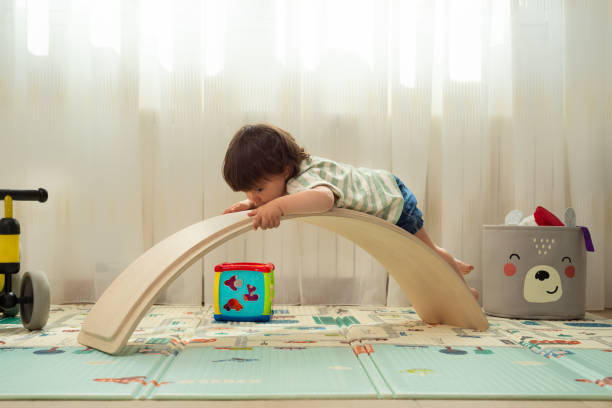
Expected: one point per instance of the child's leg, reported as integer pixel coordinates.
(458, 266)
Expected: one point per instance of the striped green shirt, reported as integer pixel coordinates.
(370, 191)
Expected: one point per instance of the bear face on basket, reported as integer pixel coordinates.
(542, 283)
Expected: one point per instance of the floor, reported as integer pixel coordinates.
(315, 404)
(325, 403)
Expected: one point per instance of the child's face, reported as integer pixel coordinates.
(267, 189)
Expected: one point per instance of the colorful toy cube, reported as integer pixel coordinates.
(244, 291)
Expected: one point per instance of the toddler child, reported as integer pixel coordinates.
(280, 178)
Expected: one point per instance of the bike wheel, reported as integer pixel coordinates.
(36, 298)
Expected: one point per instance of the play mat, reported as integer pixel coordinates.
(309, 352)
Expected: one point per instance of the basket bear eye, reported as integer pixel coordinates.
(517, 256)
(568, 259)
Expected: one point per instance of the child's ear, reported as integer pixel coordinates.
(287, 172)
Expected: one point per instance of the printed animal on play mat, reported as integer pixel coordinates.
(141, 379)
(601, 383)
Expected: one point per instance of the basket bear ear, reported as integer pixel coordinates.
(570, 217)
(543, 217)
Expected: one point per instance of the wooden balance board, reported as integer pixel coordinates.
(436, 292)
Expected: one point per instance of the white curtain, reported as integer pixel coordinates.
(123, 111)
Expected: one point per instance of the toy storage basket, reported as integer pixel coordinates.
(533, 272)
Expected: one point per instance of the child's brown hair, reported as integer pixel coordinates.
(259, 151)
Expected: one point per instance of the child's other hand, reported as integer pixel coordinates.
(266, 216)
(239, 206)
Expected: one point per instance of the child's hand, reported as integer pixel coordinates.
(266, 216)
(239, 206)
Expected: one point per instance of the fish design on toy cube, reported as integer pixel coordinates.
(244, 291)
(534, 272)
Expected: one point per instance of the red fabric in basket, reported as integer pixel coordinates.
(543, 217)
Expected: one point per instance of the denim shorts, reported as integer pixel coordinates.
(411, 218)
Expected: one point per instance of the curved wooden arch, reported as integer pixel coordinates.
(437, 294)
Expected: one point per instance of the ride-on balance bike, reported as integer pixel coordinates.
(33, 300)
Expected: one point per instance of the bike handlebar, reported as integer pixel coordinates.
(26, 195)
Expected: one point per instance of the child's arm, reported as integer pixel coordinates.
(315, 200)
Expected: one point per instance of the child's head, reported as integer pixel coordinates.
(260, 152)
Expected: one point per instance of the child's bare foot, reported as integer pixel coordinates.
(463, 267)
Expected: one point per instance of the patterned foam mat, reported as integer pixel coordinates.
(309, 352)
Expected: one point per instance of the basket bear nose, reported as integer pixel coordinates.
(542, 275)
